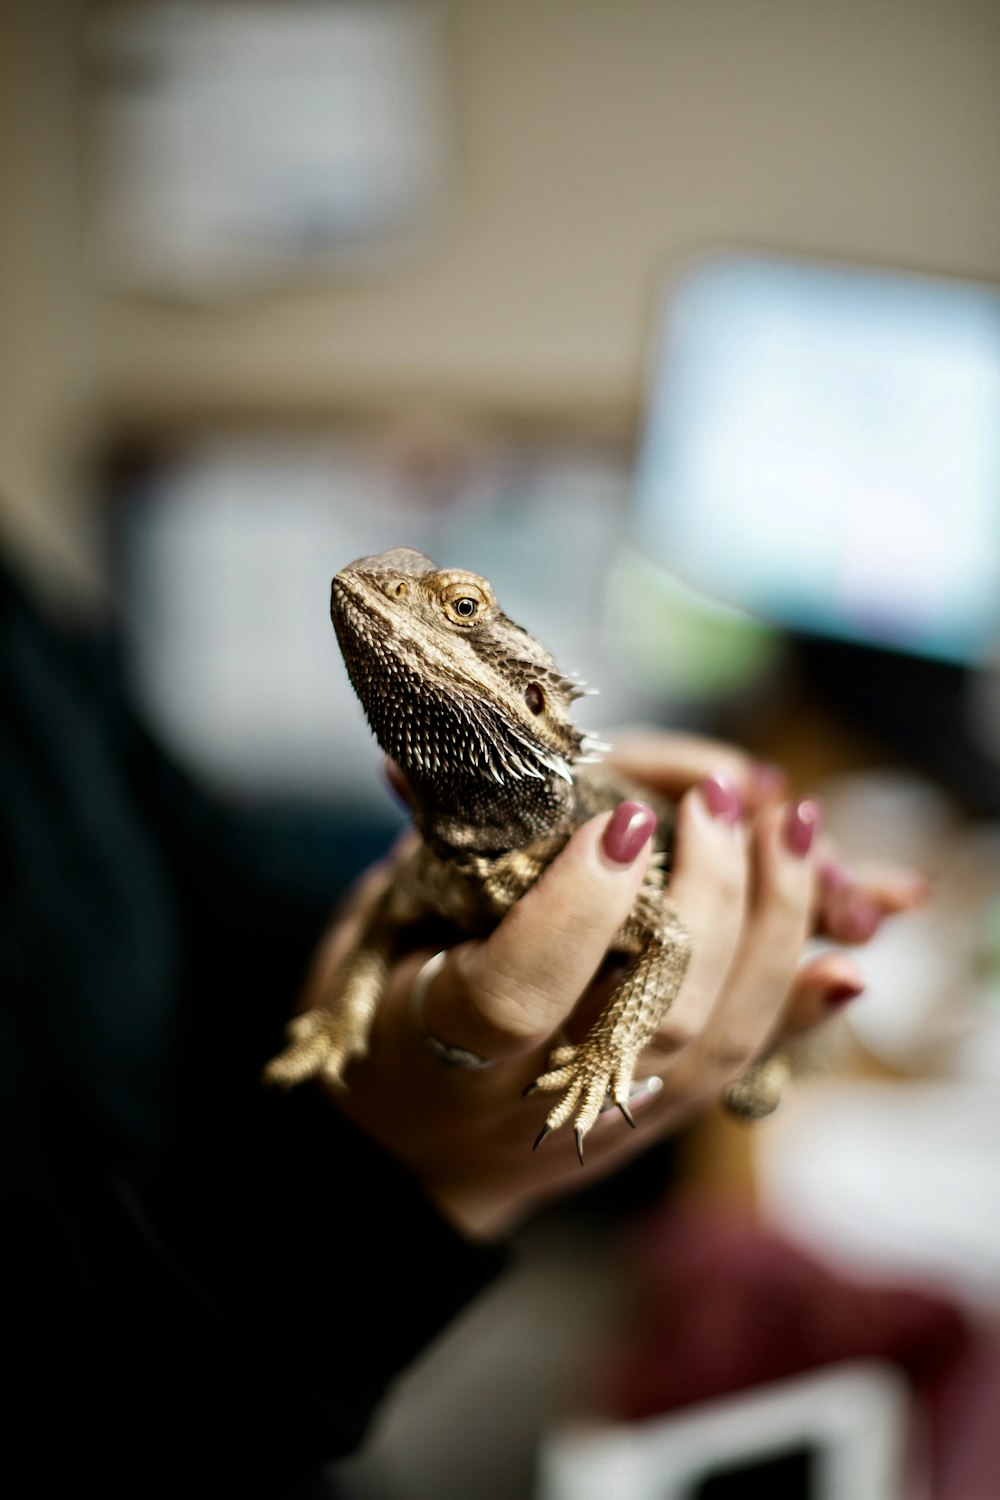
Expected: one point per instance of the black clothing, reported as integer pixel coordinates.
(206, 1287)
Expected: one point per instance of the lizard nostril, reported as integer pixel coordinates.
(534, 697)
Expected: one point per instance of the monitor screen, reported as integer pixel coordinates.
(823, 449)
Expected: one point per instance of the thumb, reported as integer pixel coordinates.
(506, 994)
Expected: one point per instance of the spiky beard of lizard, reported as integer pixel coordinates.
(471, 708)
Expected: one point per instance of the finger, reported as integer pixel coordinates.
(750, 1007)
(894, 888)
(821, 989)
(854, 900)
(506, 994)
(709, 887)
(675, 762)
(897, 888)
(845, 912)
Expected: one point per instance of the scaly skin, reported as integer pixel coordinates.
(477, 716)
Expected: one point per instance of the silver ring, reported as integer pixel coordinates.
(442, 1052)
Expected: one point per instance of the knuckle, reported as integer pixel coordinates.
(508, 1004)
(787, 883)
(674, 1034)
(733, 1053)
(783, 930)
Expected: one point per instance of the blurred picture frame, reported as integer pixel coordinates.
(237, 146)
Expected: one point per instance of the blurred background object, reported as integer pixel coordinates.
(239, 146)
(822, 448)
(564, 292)
(225, 553)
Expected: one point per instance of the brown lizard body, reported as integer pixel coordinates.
(477, 716)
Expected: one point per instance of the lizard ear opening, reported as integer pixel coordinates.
(534, 697)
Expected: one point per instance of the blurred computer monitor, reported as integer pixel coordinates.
(822, 448)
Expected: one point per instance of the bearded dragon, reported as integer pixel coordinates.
(476, 714)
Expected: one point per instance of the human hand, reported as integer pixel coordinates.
(744, 888)
(851, 900)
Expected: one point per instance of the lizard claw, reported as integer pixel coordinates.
(597, 1073)
(585, 1079)
(758, 1092)
(319, 1042)
(539, 1138)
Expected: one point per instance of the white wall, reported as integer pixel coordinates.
(596, 141)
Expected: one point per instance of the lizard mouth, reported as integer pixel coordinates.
(354, 616)
(346, 597)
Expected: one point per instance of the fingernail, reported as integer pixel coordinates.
(397, 783)
(722, 797)
(629, 831)
(861, 918)
(801, 823)
(843, 994)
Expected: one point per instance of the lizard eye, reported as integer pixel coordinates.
(534, 697)
(464, 606)
(463, 602)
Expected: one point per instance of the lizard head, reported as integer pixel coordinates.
(452, 688)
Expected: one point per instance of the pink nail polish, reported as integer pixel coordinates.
(862, 918)
(801, 823)
(629, 831)
(722, 797)
(843, 994)
(398, 785)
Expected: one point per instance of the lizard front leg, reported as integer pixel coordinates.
(604, 1063)
(512, 875)
(325, 1038)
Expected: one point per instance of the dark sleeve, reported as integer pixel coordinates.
(288, 1270)
(198, 1275)
(238, 1317)
(235, 1313)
